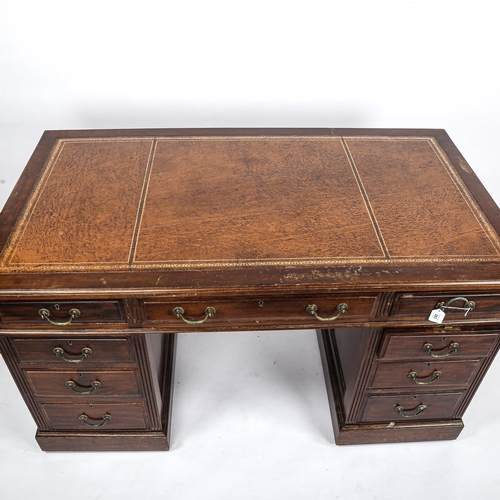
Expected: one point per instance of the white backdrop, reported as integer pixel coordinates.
(121, 64)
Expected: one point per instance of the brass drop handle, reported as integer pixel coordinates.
(420, 408)
(469, 305)
(453, 347)
(84, 420)
(59, 352)
(313, 308)
(179, 312)
(73, 313)
(436, 375)
(95, 385)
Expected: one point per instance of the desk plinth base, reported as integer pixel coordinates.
(400, 433)
(373, 433)
(110, 441)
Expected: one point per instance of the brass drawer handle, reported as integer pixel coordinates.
(105, 419)
(420, 408)
(453, 347)
(95, 385)
(436, 375)
(469, 305)
(313, 308)
(179, 312)
(73, 313)
(59, 352)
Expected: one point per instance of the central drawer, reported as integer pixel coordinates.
(304, 310)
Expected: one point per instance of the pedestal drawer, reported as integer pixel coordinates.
(63, 314)
(95, 417)
(421, 374)
(389, 408)
(73, 351)
(417, 307)
(400, 344)
(81, 385)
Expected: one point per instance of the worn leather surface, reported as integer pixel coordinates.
(187, 202)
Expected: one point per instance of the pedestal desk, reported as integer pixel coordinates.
(115, 240)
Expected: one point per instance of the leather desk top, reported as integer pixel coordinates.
(115, 211)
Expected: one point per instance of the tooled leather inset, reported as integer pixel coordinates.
(218, 202)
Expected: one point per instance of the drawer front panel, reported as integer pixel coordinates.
(28, 314)
(81, 385)
(411, 407)
(400, 345)
(74, 351)
(417, 307)
(294, 311)
(122, 416)
(424, 375)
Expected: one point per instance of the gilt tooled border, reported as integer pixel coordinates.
(29, 208)
(207, 265)
(6, 266)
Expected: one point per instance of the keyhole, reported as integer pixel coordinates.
(444, 338)
(56, 307)
(261, 303)
(70, 342)
(92, 406)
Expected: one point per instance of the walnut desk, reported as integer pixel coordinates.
(115, 240)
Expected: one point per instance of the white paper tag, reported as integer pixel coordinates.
(437, 316)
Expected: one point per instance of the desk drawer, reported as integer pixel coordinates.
(424, 375)
(82, 385)
(262, 311)
(417, 307)
(446, 345)
(64, 314)
(97, 417)
(73, 351)
(390, 408)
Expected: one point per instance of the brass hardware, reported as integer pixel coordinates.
(436, 375)
(95, 385)
(179, 312)
(420, 408)
(469, 304)
(73, 313)
(453, 347)
(84, 420)
(312, 309)
(447, 328)
(59, 352)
